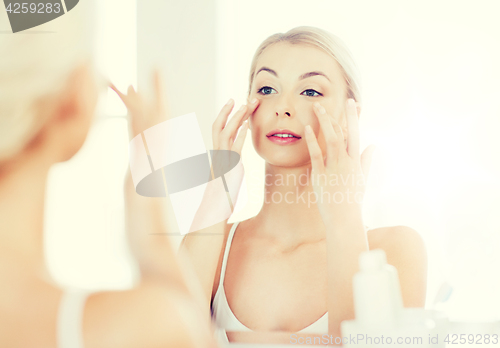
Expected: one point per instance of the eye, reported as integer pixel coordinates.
(310, 93)
(266, 90)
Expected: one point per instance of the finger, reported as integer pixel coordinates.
(135, 102)
(317, 161)
(131, 91)
(366, 161)
(159, 94)
(229, 131)
(240, 139)
(120, 94)
(352, 129)
(252, 106)
(236, 122)
(340, 133)
(331, 138)
(220, 122)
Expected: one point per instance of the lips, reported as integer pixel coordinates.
(283, 136)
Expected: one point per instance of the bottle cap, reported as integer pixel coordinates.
(372, 260)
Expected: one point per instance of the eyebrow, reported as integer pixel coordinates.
(301, 77)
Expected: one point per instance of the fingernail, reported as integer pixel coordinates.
(230, 101)
(351, 102)
(309, 129)
(254, 100)
(242, 107)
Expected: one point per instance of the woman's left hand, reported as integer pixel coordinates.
(145, 225)
(339, 177)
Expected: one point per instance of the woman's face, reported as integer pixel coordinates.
(288, 79)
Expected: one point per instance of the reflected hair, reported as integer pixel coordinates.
(323, 40)
(35, 65)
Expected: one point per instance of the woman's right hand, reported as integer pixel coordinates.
(227, 177)
(203, 249)
(224, 133)
(226, 137)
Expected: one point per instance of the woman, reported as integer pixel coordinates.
(48, 94)
(290, 268)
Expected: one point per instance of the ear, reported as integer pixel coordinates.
(72, 113)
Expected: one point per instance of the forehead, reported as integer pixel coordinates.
(292, 60)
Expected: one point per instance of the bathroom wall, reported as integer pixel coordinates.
(430, 86)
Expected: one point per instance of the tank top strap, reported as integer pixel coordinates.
(226, 254)
(69, 321)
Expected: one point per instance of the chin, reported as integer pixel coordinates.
(290, 157)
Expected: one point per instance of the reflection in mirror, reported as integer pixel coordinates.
(286, 261)
(291, 266)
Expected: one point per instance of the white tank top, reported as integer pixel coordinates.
(224, 317)
(69, 320)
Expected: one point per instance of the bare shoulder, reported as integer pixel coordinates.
(27, 305)
(166, 316)
(393, 238)
(405, 249)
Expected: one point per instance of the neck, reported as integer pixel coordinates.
(22, 196)
(289, 211)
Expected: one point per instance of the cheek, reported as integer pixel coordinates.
(306, 116)
(256, 127)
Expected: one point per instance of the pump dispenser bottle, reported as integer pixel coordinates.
(381, 319)
(377, 293)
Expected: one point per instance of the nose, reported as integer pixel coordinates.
(284, 106)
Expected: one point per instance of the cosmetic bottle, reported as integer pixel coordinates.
(377, 293)
(381, 319)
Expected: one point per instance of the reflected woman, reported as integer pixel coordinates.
(48, 94)
(290, 268)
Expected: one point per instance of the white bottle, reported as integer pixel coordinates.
(377, 293)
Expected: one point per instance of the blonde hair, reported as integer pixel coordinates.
(34, 65)
(323, 40)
